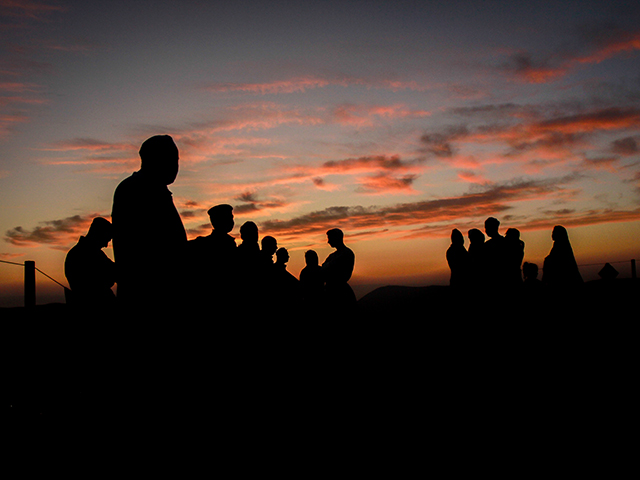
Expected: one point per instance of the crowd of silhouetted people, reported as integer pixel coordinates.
(157, 269)
(497, 263)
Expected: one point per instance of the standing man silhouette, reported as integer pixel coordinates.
(214, 257)
(148, 235)
(495, 254)
(337, 270)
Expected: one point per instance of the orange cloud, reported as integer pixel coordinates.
(56, 233)
(472, 177)
(552, 67)
(558, 138)
(365, 115)
(491, 200)
(308, 82)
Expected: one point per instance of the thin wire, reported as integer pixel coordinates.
(12, 263)
(37, 269)
(51, 278)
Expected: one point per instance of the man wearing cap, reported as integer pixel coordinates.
(148, 235)
(214, 256)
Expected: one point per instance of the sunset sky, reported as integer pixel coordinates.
(395, 121)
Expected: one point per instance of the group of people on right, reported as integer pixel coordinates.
(498, 261)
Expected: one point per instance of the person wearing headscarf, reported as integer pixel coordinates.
(560, 268)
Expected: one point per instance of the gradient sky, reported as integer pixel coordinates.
(395, 121)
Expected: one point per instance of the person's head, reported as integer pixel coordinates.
(560, 234)
(159, 158)
(311, 258)
(491, 226)
(249, 232)
(269, 245)
(529, 271)
(335, 237)
(100, 231)
(282, 255)
(456, 237)
(512, 234)
(221, 217)
(475, 236)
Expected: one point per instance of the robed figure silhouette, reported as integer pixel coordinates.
(90, 272)
(337, 270)
(311, 281)
(458, 260)
(514, 249)
(560, 269)
(477, 260)
(148, 235)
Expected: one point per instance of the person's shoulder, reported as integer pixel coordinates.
(127, 186)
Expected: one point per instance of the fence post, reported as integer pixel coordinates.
(633, 269)
(29, 283)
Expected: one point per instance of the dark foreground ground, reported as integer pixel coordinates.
(430, 365)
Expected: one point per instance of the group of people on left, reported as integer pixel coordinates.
(157, 269)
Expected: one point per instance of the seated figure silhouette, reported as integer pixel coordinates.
(560, 269)
(214, 256)
(337, 270)
(514, 250)
(495, 254)
(148, 235)
(530, 273)
(90, 272)
(311, 280)
(458, 260)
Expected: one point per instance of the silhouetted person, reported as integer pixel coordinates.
(148, 235)
(477, 261)
(90, 272)
(514, 249)
(458, 260)
(269, 247)
(214, 257)
(530, 273)
(287, 287)
(311, 281)
(337, 270)
(249, 249)
(266, 268)
(560, 269)
(218, 242)
(248, 260)
(495, 254)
